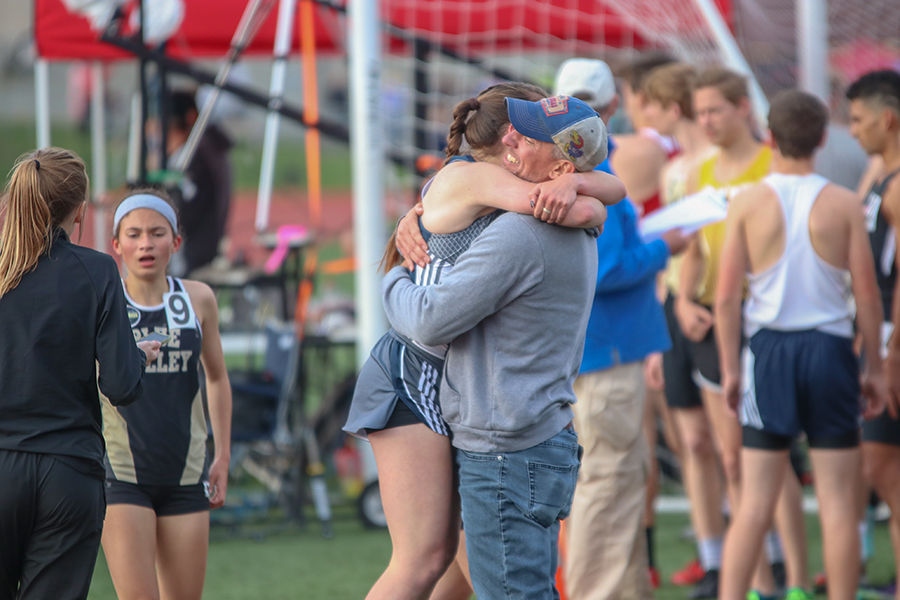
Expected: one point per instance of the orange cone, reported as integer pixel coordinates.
(561, 569)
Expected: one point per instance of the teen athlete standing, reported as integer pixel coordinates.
(158, 489)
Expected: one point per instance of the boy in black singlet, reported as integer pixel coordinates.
(875, 123)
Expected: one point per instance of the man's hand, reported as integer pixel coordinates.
(218, 482)
(694, 320)
(731, 391)
(677, 240)
(875, 391)
(552, 199)
(892, 382)
(653, 372)
(151, 349)
(410, 242)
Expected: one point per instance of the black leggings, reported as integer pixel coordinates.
(51, 518)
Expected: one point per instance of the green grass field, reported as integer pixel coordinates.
(300, 563)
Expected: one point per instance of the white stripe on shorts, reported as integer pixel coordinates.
(427, 392)
(749, 410)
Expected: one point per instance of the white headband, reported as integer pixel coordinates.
(146, 201)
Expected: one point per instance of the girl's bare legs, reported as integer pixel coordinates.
(415, 475)
(182, 543)
(129, 544)
(155, 558)
(456, 584)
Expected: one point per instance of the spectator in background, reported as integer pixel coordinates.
(641, 156)
(204, 195)
(607, 550)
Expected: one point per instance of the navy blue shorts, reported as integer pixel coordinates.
(165, 500)
(800, 381)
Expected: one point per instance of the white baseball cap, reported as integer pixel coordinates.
(588, 78)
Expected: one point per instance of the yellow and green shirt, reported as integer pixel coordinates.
(712, 237)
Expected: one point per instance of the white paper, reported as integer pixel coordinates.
(689, 214)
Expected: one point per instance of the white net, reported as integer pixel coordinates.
(862, 36)
(439, 52)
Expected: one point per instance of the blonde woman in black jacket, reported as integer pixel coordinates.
(63, 329)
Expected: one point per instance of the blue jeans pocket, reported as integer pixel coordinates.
(550, 489)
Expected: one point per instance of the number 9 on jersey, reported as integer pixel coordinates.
(179, 312)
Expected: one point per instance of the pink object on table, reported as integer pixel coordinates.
(285, 235)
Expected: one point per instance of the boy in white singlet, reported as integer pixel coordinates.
(796, 238)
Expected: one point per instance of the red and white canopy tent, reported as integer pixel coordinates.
(209, 26)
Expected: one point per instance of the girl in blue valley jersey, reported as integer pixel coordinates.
(159, 489)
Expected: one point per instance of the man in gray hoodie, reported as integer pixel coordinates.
(515, 308)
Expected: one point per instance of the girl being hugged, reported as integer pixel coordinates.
(159, 491)
(395, 405)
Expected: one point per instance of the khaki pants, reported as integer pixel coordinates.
(607, 549)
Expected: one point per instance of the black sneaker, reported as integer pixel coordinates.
(707, 588)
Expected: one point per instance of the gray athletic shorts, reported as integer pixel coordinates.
(396, 370)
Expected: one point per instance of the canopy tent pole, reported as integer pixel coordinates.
(98, 156)
(42, 93)
(283, 34)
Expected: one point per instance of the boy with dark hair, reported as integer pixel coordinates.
(875, 123)
(797, 237)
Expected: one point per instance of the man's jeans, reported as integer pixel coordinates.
(512, 504)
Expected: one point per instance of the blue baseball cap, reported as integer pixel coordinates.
(568, 122)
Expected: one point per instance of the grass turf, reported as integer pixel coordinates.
(300, 563)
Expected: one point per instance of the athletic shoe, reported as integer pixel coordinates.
(654, 577)
(755, 595)
(691, 574)
(706, 588)
(798, 593)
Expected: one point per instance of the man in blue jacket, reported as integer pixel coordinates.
(607, 550)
